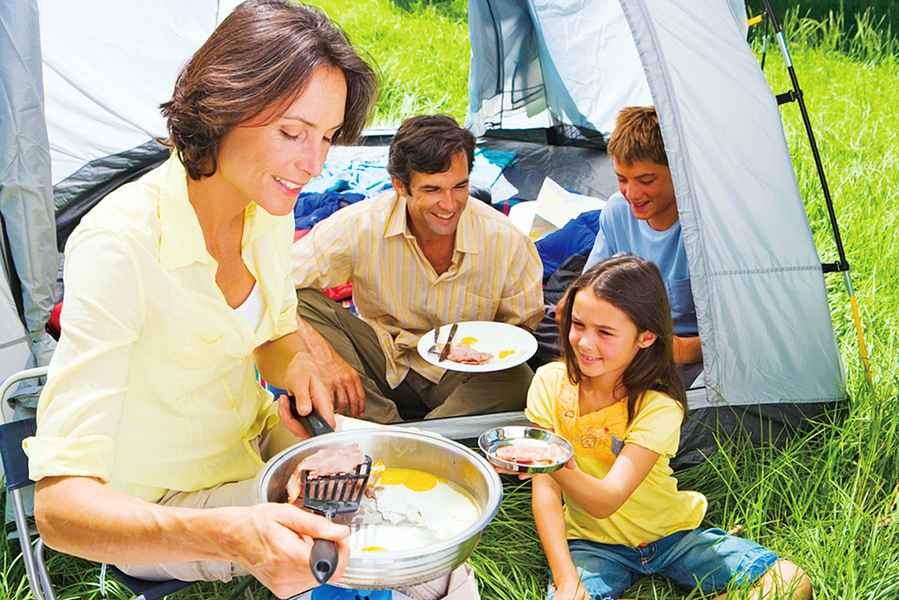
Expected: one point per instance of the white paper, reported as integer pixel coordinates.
(557, 205)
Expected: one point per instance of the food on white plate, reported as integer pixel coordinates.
(544, 453)
(466, 355)
(336, 460)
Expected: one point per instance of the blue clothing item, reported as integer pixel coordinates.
(330, 592)
(314, 207)
(619, 232)
(709, 559)
(576, 237)
(365, 171)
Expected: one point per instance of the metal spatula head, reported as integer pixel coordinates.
(341, 494)
(332, 495)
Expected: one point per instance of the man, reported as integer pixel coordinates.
(642, 220)
(418, 257)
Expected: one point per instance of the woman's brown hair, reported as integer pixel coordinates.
(635, 287)
(261, 56)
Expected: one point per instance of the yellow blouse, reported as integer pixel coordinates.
(152, 386)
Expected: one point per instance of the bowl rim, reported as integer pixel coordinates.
(518, 432)
(388, 557)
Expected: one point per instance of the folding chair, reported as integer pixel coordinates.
(15, 465)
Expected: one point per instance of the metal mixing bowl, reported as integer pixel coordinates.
(403, 449)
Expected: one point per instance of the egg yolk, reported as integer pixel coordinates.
(469, 340)
(505, 353)
(415, 480)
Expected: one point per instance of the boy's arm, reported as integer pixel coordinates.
(546, 504)
(687, 350)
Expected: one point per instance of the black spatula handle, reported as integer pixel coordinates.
(323, 557)
(323, 560)
(314, 423)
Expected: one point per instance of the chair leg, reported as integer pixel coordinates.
(31, 569)
(42, 570)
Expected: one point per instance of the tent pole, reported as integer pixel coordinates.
(796, 95)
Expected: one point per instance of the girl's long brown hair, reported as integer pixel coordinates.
(635, 287)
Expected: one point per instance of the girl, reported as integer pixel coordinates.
(615, 512)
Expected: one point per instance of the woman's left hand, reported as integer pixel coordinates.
(309, 392)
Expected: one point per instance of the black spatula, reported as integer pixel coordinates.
(329, 495)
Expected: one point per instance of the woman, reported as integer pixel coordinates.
(177, 285)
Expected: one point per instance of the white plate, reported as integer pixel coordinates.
(491, 337)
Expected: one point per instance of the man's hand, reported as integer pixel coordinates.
(273, 542)
(570, 589)
(343, 383)
(309, 392)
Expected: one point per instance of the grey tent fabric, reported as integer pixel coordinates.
(757, 279)
(26, 201)
(757, 282)
(26, 195)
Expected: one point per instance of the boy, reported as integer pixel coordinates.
(642, 220)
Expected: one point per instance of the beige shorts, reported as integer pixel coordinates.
(458, 585)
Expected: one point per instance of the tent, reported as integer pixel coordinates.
(546, 79)
(28, 261)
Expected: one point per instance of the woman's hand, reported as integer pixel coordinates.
(570, 589)
(343, 382)
(309, 392)
(273, 542)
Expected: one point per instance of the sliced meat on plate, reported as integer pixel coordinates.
(532, 454)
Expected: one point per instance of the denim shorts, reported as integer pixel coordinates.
(709, 559)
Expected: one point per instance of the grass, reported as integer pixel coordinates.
(828, 500)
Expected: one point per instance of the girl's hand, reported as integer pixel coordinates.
(570, 589)
(521, 476)
(525, 476)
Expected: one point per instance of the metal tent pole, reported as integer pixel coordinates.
(795, 95)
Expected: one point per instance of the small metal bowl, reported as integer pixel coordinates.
(493, 439)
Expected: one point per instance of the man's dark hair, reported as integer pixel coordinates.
(427, 144)
(258, 59)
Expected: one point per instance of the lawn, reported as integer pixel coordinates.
(829, 500)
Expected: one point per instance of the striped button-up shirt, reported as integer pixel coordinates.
(495, 275)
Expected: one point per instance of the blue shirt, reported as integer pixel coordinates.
(620, 231)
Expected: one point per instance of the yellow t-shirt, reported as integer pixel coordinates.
(152, 386)
(656, 508)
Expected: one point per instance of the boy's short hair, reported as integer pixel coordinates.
(637, 136)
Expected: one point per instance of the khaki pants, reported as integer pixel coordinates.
(454, 395)
(458, 585)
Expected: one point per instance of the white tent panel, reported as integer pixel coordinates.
(108, 66)
(590, 72)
